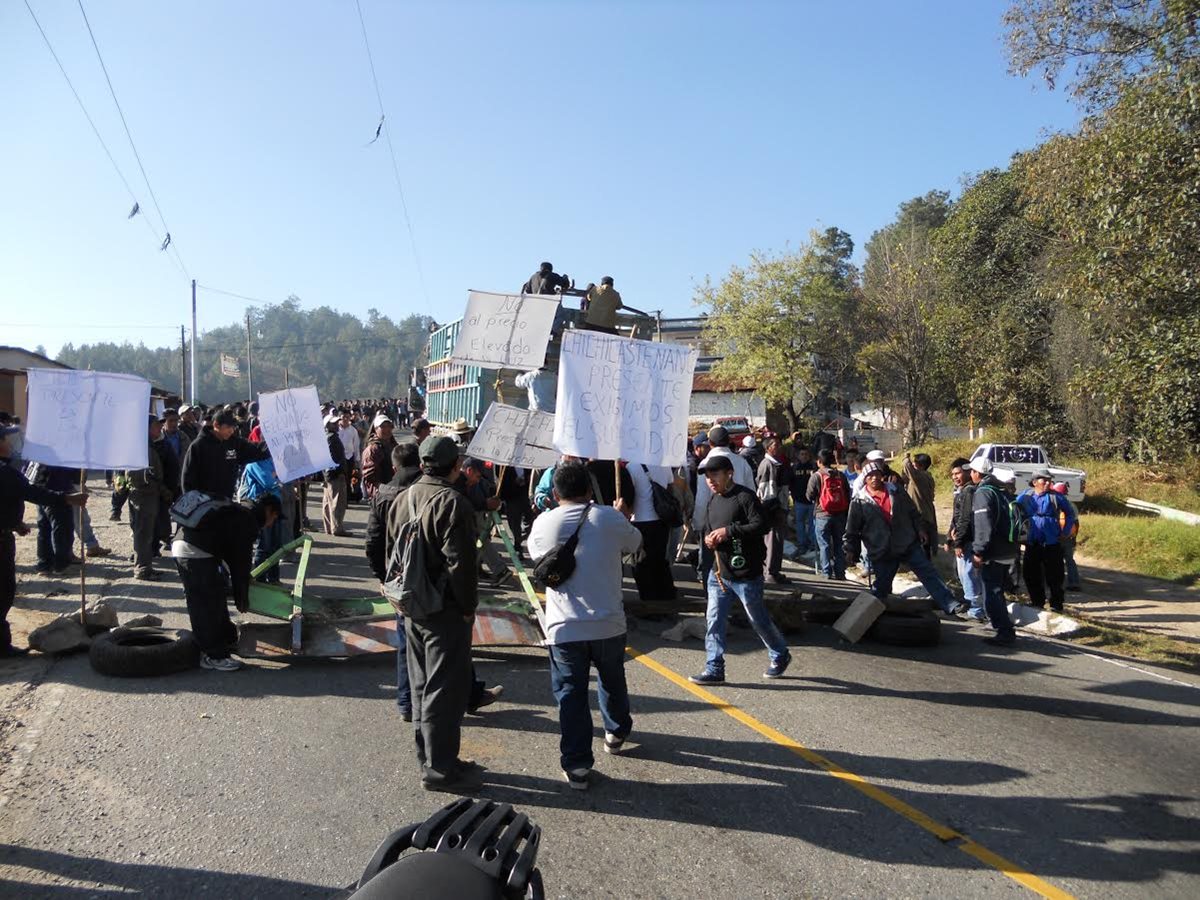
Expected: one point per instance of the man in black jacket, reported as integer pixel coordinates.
(212, 462)
(733, 528)
(545, 280)
(226, 536)
(993, 550)
(15, 492)
(959, 536)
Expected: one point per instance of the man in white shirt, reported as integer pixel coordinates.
(351, 440)
(652, 574)
(585, 618)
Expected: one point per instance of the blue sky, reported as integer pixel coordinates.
(658, 142)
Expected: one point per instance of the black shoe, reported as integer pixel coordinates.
(487, 697)
(778, 578)
(996, 641)
(406, 715)
(1056, 609)
(1074, 588)
(708, 676)
(464, 781)
(11, 652)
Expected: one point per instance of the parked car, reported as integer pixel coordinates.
(737, 426)
(1025, 459)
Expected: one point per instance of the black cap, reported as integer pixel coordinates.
(715, 462)
(439, 451)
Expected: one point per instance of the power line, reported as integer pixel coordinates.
(78, 325)
(132, 145)
(213, 290)
(387, 133)
(96, 131)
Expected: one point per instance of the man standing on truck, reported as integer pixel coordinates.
(545, 280)
(602, 305)
(1043, 567)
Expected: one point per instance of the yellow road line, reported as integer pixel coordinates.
(937, 829)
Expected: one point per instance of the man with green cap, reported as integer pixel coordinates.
(439, 644)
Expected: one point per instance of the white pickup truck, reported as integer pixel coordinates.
(1025, 459)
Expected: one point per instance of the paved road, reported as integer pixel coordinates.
(948, 765)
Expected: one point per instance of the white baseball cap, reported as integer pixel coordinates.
(981, 464)
(876, 454)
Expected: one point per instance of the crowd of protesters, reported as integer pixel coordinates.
(740, 500)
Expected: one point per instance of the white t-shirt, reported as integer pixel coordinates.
(643, 494)
(588, 605)
(742, 474)
(351, 442)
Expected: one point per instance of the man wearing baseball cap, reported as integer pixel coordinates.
(15, 492)
(993, 548)
(439, 644)
(1048, 518)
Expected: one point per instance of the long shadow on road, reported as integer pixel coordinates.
(119, 879)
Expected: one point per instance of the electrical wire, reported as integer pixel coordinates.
(213, 290)
(129, 135)
(96, 131)
(387, 133)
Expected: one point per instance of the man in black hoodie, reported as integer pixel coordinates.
(212, 462)
(993, 550)
(226, 536)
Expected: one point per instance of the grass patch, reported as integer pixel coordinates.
(1141, 645)
(1109, 482)
(1159, 548)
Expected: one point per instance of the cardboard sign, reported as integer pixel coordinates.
(505, 331)
(623, 399)
(87, 420)
(511, 436)
(230, 366)
(291, 423)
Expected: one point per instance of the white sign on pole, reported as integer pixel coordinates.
(505, 331)
(291, 423)
(511, 436)
(230, 366)
(623, 399)
(87, 420)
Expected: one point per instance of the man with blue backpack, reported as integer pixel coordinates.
(1049, 520)
(993, 546)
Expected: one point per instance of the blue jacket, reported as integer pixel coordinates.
(259, 478)
(1043, 513)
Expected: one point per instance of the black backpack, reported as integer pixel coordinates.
(554, 568)
(666, 505)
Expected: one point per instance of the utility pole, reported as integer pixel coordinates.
(249, 362)
(195, 335)
(182, 365)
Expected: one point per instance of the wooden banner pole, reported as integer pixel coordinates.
(82, 555)
(617, 476)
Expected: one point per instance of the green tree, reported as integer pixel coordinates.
(994, 326)
(785, 322)
(1106, 44)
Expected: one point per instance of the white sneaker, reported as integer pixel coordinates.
(577, 778)
(612, 743)
(227, 664)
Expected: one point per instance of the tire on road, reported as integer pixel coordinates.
(144, 652)
(902, 630)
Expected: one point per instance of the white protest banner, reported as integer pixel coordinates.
(511, 436)
(623, 399)
(505, 331)
(291, 423)
(87, 420)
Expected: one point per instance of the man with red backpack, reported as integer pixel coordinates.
(829, 492)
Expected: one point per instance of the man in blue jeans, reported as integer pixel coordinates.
(886, 523)
(993, 548)
(803, 468)
(585, 617)
(734, 525)
(829, 492)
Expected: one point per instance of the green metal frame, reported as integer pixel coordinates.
(278, 602)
